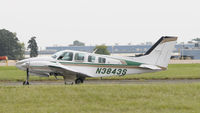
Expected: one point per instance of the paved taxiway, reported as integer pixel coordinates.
(60, 82)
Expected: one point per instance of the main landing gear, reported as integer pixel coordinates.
(79, 80)
(68, 80)
(27, 77)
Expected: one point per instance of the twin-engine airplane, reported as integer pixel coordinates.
(76, 65)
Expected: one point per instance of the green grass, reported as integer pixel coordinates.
(132, 98)
(136, 98)
(175, 71)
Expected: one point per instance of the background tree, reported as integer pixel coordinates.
(77, 43)
(102, 49)
(10, 45)
(196, 39)
(32, 45)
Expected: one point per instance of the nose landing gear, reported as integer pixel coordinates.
(27, 77)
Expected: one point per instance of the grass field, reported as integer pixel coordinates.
(136, 98)
(175, 71)
(109, 98)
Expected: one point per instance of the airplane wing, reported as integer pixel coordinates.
(67, 71)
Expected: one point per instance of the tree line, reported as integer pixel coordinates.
(11, 47)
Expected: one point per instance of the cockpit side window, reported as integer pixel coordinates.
(101, 60)
(91, 58)
(79, 57)
(68, 56)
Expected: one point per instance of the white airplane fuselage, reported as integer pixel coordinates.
(78, 65)
(112, 66)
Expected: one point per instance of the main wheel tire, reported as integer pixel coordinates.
(68, 83)
(79, 81)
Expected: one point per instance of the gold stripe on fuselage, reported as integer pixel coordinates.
(93, 65)
(169, 40)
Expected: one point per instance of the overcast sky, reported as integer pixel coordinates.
(60, 22)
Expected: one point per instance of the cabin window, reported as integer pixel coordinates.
(79, 56)
(68, 56)
(91, 58)
(101, 60)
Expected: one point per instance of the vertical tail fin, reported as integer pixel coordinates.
(159, 54)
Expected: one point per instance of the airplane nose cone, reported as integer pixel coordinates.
(22, 64)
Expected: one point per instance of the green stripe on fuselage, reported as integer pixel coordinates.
(131, 63)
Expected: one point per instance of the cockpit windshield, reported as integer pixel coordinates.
(54, 56)
(68, 56)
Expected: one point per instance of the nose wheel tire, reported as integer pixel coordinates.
(25, 83)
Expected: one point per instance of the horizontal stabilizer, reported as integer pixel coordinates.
(152, 67)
